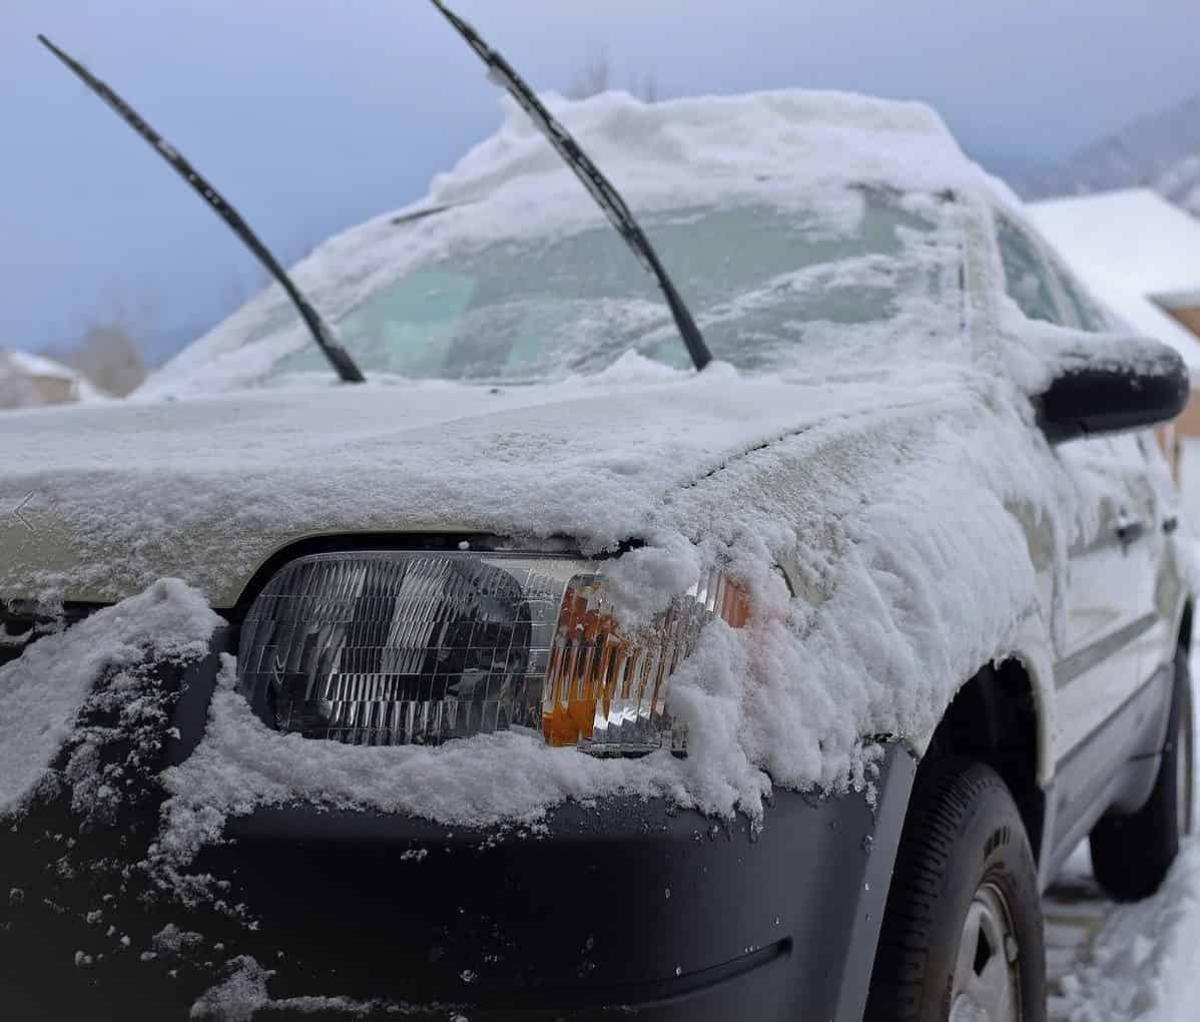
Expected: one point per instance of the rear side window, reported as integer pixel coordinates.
(1026, 277)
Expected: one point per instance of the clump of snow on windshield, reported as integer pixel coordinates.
(42, 691)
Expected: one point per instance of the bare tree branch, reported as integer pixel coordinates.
(593, 78)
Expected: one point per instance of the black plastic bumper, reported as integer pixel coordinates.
(626, 907)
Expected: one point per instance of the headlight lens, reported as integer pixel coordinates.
(397, 648)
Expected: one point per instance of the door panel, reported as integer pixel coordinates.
(1107, 642)
(1111, 619)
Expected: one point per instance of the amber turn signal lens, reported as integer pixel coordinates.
(606, 687)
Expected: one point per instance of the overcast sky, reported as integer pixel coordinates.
(315, 114)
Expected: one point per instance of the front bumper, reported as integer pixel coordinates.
(622, 908)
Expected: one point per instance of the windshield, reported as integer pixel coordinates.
(764, 283)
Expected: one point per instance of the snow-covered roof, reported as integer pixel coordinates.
(26, 363)
(1134, 249)
(24, 376)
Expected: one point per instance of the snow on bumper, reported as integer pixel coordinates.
(624, 901)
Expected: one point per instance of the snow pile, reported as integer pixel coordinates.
(505, 778)
(43, 690)
(1145, 963)
(1131, 963)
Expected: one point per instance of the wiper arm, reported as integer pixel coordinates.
(594, 181)
(338, 356)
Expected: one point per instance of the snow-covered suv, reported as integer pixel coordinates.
(542, 676)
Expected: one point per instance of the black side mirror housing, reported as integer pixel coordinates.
(1113, 389)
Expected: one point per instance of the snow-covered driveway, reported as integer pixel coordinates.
(1125, 963)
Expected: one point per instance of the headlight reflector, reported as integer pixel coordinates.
(399, 647)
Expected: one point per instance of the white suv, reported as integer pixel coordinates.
(545, 677)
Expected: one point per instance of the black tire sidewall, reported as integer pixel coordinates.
(1132, 853)
(965, 830)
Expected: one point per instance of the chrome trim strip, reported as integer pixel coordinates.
(1083, 660)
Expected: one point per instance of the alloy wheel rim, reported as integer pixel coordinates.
(986, 981)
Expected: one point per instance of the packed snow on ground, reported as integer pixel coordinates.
(1125, 963)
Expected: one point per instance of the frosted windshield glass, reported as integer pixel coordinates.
(761, 282)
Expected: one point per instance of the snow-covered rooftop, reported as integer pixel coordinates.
(28, 364)
(28, 380)
(1133, 248)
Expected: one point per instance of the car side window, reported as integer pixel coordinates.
(1088, 316)
(1026, 276)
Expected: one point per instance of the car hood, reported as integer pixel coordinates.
(98, 502)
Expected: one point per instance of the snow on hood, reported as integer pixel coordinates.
(899, 500)
(207, 489)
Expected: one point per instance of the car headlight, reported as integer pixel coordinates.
(398, 648)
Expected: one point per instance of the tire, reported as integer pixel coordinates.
(1131, 854)
(964, 903)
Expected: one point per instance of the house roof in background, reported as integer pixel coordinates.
(29, 364)
(1136, 251)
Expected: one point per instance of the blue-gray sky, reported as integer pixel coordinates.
(314, 114)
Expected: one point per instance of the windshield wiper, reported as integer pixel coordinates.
(594, 181)
(338, 356)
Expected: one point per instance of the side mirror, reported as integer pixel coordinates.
(1117, 386)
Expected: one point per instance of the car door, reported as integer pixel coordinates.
(1109, 598)
(1152, 511)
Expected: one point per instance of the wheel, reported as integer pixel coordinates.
(962, 932)
(1132, 853)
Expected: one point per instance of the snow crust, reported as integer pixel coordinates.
(42, 691)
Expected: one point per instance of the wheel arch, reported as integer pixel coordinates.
(997, 718)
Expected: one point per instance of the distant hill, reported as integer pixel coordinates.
(1159, 151)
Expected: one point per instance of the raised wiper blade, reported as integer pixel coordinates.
(600, 188)
(322, 333)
